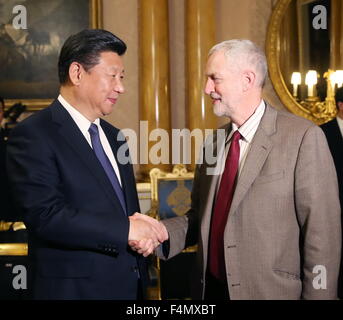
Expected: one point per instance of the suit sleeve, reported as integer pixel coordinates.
(318, 212)
(40, 194)
(183, 231)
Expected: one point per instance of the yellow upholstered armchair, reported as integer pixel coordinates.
(171, 197)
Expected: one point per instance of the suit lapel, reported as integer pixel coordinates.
(72, 135)
(258, 153)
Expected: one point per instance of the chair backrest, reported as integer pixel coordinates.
(171, 197)
(170, 192)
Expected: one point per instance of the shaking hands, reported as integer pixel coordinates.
(146, 234)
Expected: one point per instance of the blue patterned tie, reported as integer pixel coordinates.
(106, 164)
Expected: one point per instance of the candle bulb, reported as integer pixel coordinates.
(295, 81)
(339, 78)
(332, 78)
(310, 81)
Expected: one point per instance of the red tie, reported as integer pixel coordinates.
(221, 210)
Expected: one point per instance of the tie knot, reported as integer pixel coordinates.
(236, 136)
(93, 129)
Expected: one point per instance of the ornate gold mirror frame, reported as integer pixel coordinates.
(321, 113)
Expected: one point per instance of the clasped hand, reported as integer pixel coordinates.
(146, 234)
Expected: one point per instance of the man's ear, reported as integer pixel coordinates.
(75, 73)
(340, 105)
(249, 79)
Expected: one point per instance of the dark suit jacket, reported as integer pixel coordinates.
(8, 211)
(335, 141)
(3, 185)
(78, 232)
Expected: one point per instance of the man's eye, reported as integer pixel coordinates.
(115, 76)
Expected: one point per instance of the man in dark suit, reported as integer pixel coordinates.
(2, 109)
(334, 135)
(3, 178)
(76, 195)
(2, 112)
(8, 211)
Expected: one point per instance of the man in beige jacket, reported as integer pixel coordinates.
(281, 238)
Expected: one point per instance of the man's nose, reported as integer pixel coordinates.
(209, 87)
(119, 87)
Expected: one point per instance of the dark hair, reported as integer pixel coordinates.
(85, 48)
(339, 96)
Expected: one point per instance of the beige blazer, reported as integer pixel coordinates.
(284, 219)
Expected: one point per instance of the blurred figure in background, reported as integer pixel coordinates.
(334, 134)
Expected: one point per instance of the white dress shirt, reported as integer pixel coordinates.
(83, 124)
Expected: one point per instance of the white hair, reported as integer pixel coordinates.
(244, 52)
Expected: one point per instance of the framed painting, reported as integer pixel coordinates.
(29, 56)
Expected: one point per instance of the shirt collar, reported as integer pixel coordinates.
(249, 127)
(340, 124)
(82, 122)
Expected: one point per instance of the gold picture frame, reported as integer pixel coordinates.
(57, 26)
